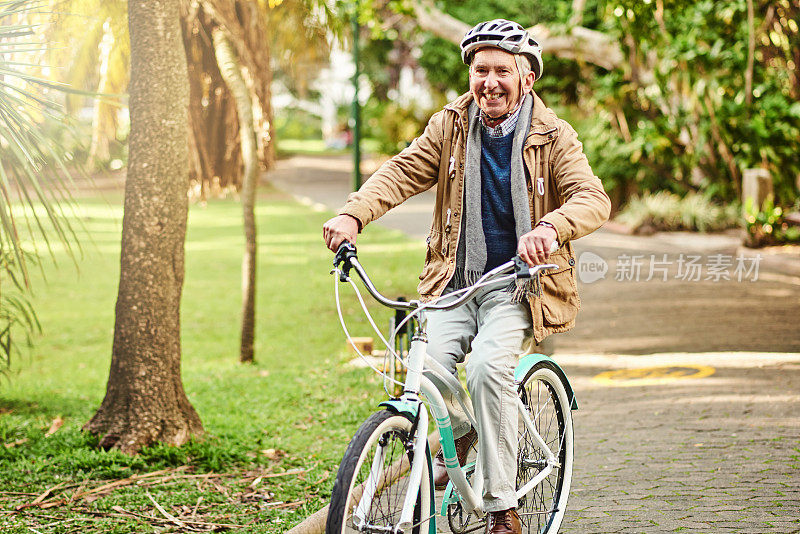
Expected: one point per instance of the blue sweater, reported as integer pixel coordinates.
(499, 228)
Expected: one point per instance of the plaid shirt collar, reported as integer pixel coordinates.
(505, 127)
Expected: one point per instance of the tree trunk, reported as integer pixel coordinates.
(751, 52)
(145, 401)
(246, 27)
(230, 68)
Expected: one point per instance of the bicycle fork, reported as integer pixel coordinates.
(376, 476)
(551, 460)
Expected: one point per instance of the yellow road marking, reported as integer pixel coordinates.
(650, 376)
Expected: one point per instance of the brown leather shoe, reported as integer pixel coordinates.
(463, 444)
(505, 522)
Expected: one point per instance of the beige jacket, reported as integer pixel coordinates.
(561, 188)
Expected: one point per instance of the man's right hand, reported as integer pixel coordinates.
(340, 228)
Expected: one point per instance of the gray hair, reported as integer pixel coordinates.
(523, 65)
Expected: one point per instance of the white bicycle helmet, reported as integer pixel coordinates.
(505, 35)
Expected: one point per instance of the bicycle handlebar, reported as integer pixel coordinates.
(347, 257)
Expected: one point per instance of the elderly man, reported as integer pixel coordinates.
(512, 178)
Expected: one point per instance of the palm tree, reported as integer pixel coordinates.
(91, 40)
(33, 171)
(230, 77)
(220, 36)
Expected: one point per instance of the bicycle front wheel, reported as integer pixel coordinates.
(543, 393)
(373, 479)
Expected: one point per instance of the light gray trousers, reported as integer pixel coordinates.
(498, 332)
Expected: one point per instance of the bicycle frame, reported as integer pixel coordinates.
(418, 364)
(469, 493)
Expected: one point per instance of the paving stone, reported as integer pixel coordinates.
(589, 514)
(726, 524)
(690, 464)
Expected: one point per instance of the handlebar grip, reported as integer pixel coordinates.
(346, 252)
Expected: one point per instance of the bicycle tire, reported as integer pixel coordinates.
(544, 395)
(391, 431)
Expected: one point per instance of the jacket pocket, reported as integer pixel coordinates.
(560, 301)
(434, 270)
(434, 242)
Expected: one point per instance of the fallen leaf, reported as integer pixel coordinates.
(57, 423)
(166, 514)
(273, 454)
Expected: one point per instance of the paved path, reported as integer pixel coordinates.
(716, 454)
(719, 454)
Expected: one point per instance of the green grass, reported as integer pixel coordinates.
(317, 147)
(295, 409)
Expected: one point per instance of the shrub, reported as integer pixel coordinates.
(668, 211)
(768, 226)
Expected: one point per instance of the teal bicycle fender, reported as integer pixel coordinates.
(526, 363)
(401, 407)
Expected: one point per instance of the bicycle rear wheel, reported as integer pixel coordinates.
(377, 462)
(545, 397)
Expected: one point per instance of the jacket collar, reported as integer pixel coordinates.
(543, 120)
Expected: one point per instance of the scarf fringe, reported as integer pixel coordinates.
(521, 291)
(462, 278)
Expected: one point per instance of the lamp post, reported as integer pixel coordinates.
(356, 105)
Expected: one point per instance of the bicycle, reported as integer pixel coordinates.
(385, 485)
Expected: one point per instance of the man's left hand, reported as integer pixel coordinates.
(534, 247)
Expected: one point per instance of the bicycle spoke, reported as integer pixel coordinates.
(539, 508)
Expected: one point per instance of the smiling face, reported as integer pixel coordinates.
(494, 81)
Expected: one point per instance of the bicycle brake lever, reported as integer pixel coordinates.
(346, 252)
(521, 268)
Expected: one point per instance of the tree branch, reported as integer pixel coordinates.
(580, 44)
(577, 12)
(751, 50)
(440, 24)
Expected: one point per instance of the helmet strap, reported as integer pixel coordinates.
(491, 122)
